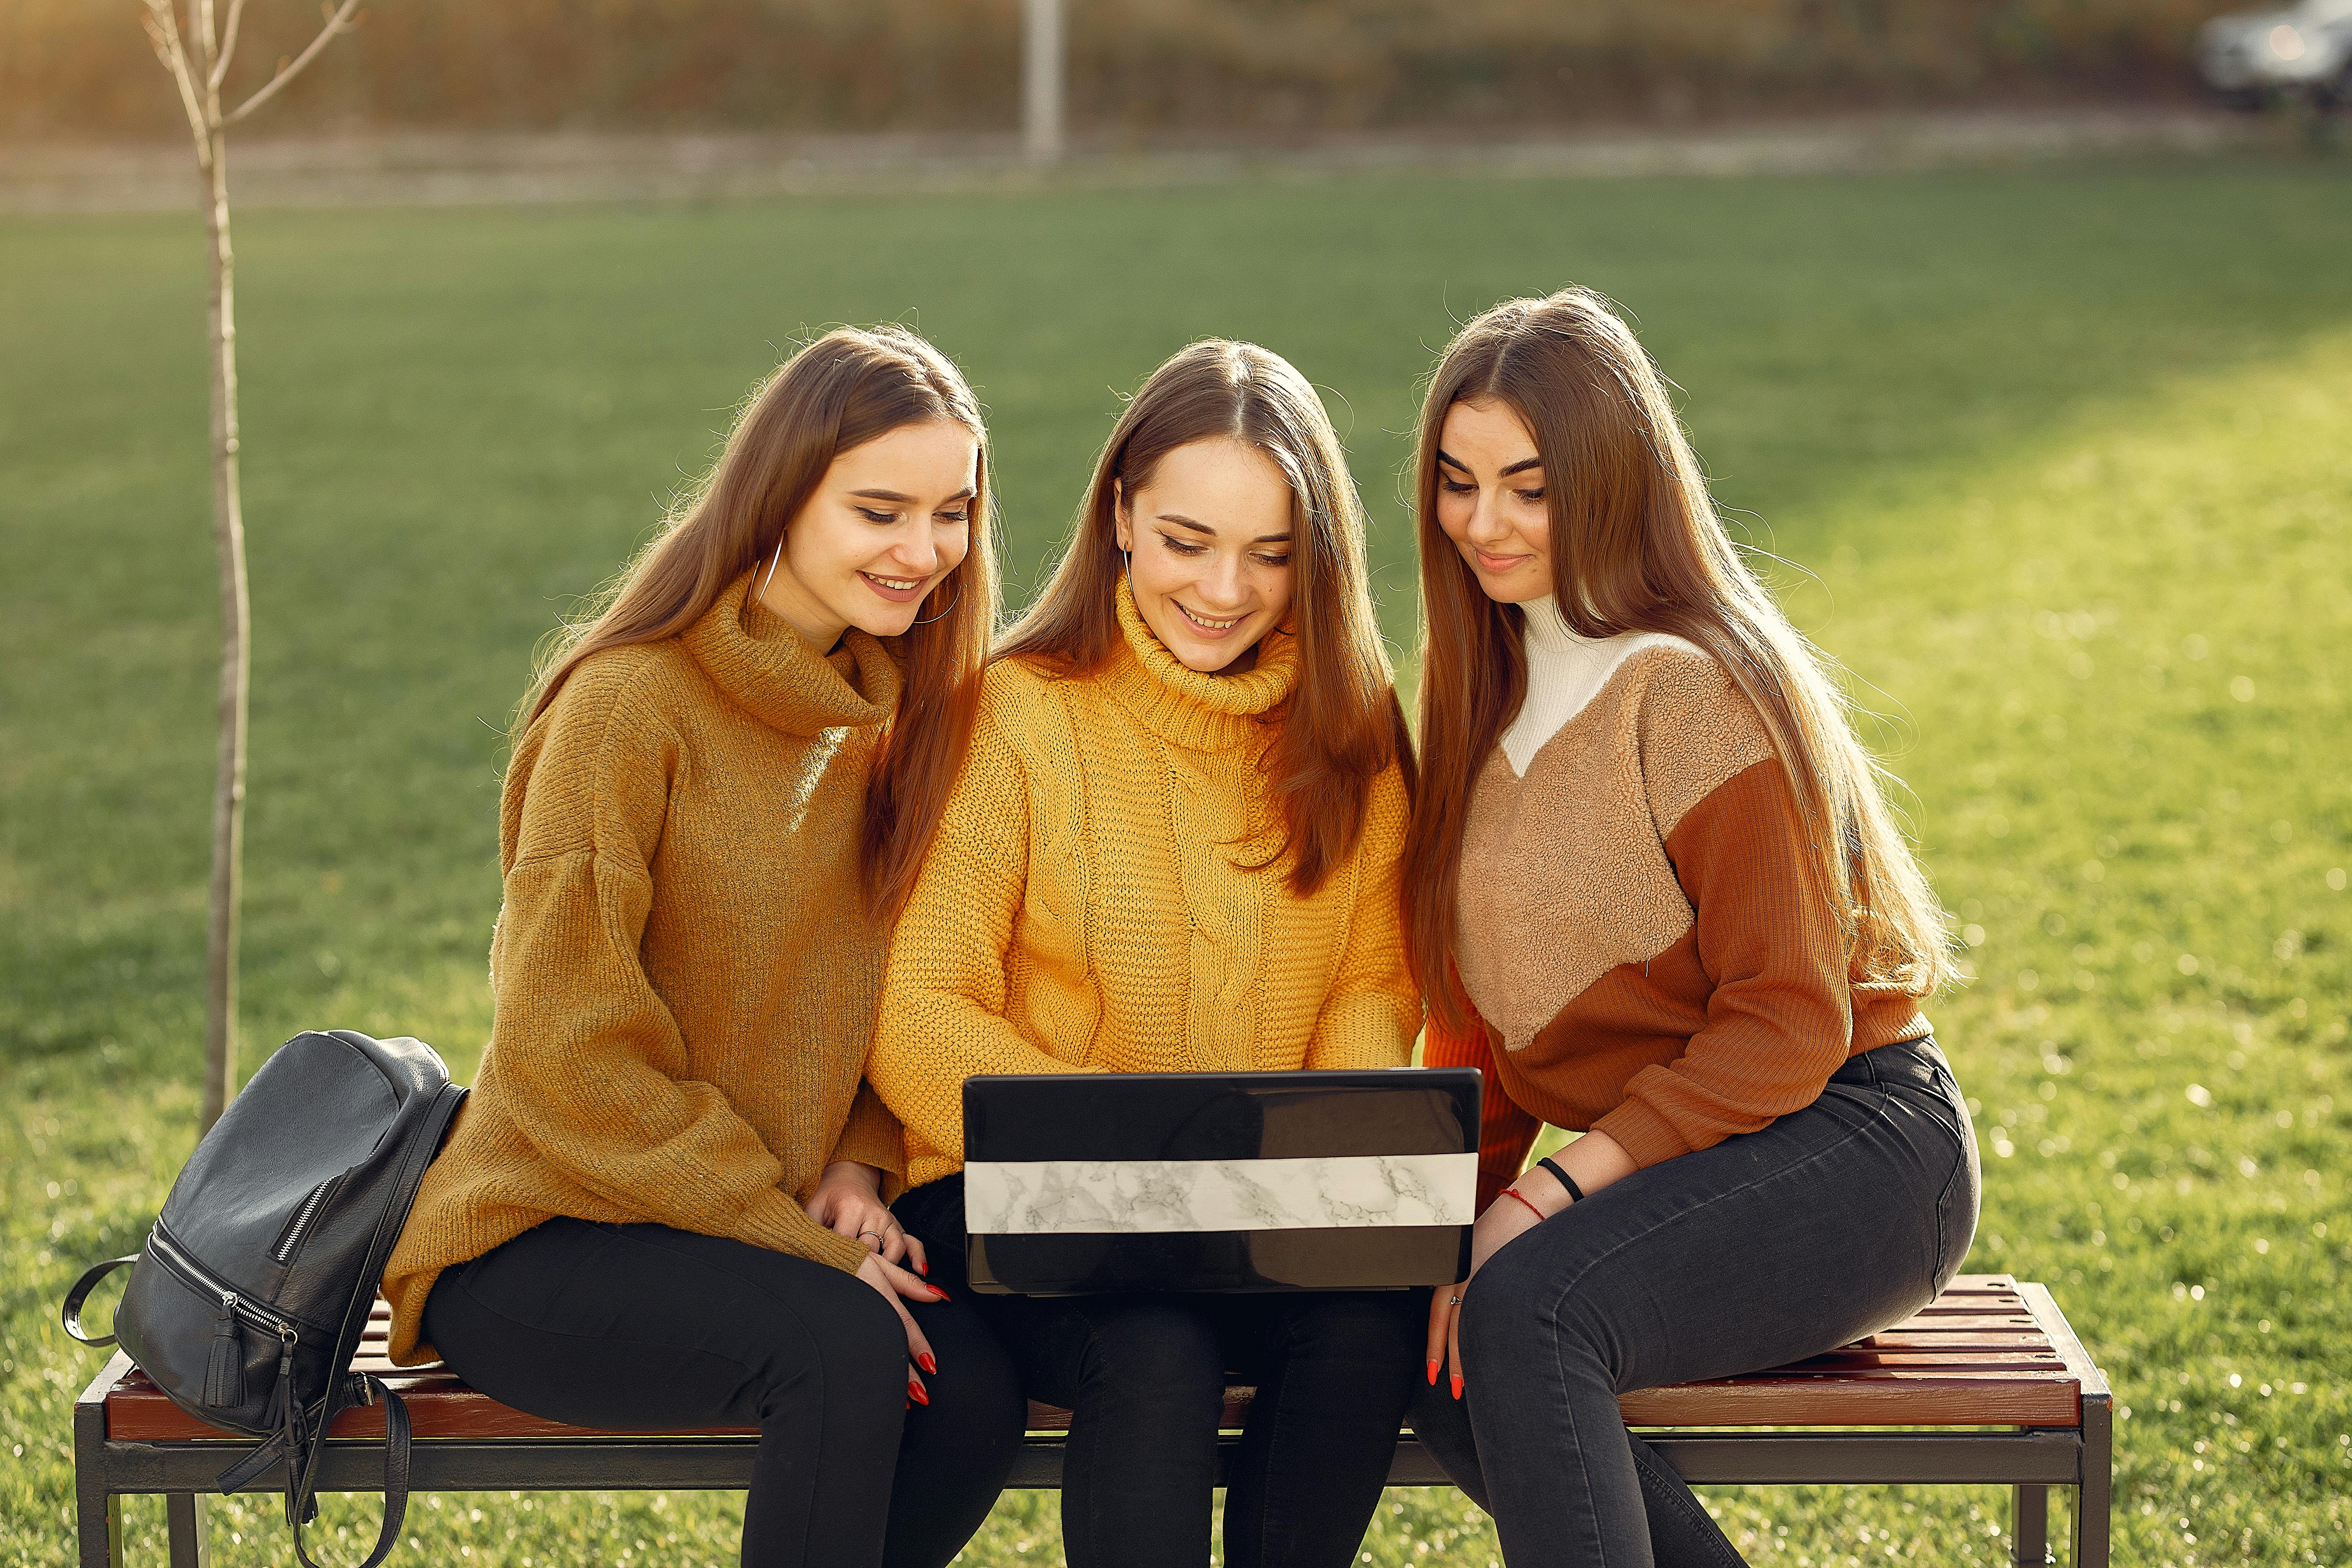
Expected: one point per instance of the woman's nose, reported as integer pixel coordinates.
(1487, 524)
(916, 549)
(1221, 584)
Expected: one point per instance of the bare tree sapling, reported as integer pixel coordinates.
(197, 55)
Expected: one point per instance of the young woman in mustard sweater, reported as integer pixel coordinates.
(662, 1206)
(1172, 847)
(1658, 896)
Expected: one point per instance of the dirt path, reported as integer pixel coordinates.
(427, 169)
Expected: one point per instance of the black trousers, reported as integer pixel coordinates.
(643, 1328)
(1826, 1225)
(1144, 1379)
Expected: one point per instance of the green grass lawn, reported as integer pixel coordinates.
(2067, 453)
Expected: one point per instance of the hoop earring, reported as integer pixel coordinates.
(951, 603)
(773, 561)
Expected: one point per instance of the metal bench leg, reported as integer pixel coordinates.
(2096, 1496)
(2029, 1518)
(97, 1519)
(183, 1517)
(98, 1509)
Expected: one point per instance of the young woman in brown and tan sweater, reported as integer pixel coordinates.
(663, 1206)
(1652, 889)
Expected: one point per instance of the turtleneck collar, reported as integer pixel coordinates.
(769, 669)
(1186, 708)
(1548, 630)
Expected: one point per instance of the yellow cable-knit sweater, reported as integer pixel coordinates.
(1089, 903)
(684, 985)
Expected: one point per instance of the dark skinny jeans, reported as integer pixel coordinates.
(1828, 1225)
(640, 1328)
(1144, 1379)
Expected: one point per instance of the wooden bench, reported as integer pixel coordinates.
(1988, 1381)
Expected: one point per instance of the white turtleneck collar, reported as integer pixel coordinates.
(1565, 671)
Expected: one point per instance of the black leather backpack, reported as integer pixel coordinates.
(246, 1304)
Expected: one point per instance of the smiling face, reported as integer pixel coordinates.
(889, 518)
(1210, 536)
(1490, 500)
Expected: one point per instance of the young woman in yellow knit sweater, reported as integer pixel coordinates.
(1683, 922)
(1172, 847)
(661, 1206)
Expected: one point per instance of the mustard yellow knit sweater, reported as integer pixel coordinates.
(684, 986)
(1089, 904)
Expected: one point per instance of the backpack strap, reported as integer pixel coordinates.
(395, 1478)
(302, 1458)
(79, 1294)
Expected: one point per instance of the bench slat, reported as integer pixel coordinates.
(1978, 1355)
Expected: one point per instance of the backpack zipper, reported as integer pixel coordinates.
(291, 1242)
(197, 1277)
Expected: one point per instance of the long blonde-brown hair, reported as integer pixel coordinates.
(845, 389)
(1342, 724)
(1636, 546)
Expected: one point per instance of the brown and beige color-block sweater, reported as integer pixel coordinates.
(1095, 900)
(1641, 932)
(684, 985)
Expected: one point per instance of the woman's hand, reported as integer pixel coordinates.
(1594, 1161)
(893, 1283)
(848, 1201)
(1506, 1220)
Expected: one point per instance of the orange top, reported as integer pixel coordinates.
(1641, 932)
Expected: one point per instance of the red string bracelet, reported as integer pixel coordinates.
(1515, 1192)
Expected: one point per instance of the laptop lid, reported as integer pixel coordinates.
(1082, 1182)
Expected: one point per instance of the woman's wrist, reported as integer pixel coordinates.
(865, 1177)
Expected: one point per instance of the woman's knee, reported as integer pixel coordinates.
(1384, 1329)
(1159, 1346)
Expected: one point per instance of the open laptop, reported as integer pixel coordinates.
(1211, 1181)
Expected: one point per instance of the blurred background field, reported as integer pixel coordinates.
(2057, 459)
(1140, 69)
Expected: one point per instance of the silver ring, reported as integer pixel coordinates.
(1454, 1300)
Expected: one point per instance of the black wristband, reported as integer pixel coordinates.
(1575, 1193)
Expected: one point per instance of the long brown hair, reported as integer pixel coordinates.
(1636, 546)
(845, 389)
(1342, 724)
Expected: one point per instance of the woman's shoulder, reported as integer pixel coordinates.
(1671, 681)
(615, 705)
(1025, 696)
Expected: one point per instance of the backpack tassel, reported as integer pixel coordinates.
(224, 1372)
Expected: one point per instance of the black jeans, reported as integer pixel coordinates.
(640, 1328)
(1831, 1223)
(1144, 1379)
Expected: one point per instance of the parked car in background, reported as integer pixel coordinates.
(2247, 55)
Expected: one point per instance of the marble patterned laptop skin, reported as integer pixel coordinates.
(1213, 1182)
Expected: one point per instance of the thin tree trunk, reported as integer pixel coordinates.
(228, 536)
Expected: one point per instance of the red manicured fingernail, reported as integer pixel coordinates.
(1433, 1372)
(1457, 1386)
(926, 1363)
(939, 1293)
(915, 1391)
(923, 1268)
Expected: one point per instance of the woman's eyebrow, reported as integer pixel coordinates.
(964, 494)
(1179, 518)
(1521, 467)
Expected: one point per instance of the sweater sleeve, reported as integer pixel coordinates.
(1780, 1018)
(593, 1065)
(1372, 1009)
(944, 991)
(1506, 1133)
(872, 1137)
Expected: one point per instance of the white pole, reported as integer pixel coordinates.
(1042, 65)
